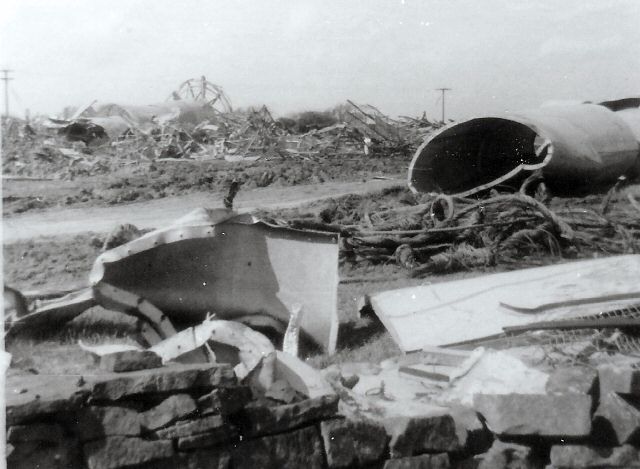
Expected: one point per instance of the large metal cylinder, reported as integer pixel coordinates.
(576, 147)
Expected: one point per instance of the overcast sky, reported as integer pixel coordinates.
(496, 55)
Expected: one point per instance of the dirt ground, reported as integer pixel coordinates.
(63, 262)
(161, 212)
(164, 179)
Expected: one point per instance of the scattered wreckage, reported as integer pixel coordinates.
(253, 273)
(198, 123)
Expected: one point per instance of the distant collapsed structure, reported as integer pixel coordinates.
(572, 147)
(195, 101)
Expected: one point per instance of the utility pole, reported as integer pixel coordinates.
(444, 90)
(6, 80)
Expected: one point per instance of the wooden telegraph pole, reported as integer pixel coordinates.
(6, 79)
(443, 90)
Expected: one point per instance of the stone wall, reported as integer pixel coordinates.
(200, 416)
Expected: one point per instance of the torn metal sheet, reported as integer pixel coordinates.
(182, 111)
(575, 147)
(219, 262)
(55, 312)
(106, 349)
(114, 126)
(251, 345)
(452, 312)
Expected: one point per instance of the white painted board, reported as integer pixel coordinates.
(450, 312)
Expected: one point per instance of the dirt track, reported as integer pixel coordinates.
(155, 213)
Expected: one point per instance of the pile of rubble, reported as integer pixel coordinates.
(434, 234)
(196, 416)
(100, 138)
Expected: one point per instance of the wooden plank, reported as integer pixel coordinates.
(583, 323)
(430, 372)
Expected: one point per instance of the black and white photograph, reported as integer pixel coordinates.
(320, 234)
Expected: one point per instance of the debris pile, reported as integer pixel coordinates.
(363, 129)
(406, 412)
(491, 409)
(428, 234)
(30, 151)
(110, 136)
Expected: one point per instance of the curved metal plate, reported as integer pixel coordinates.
(231, 269)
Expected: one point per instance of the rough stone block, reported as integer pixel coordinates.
(201, 459)
(510, 456)
(617, 420)
(572, 380)
(292, 450)
(36, 454)
(49, 433)
(353, 443)
(29, 398)
(262, 420)
(576, 456)
(130, 360)
(424, 461)
(472, 462)
(98, 422)
(210, 459)
(204, 440)
(535, 414)
(173, 408)
(168, 379)
(116, 451)
(191, 427)
(457, 431)
(224, 401)
(623, 380)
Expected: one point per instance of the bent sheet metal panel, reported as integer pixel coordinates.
(231, 269)
(450, 312)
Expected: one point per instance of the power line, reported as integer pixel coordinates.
(443, 90)
(6, 80)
